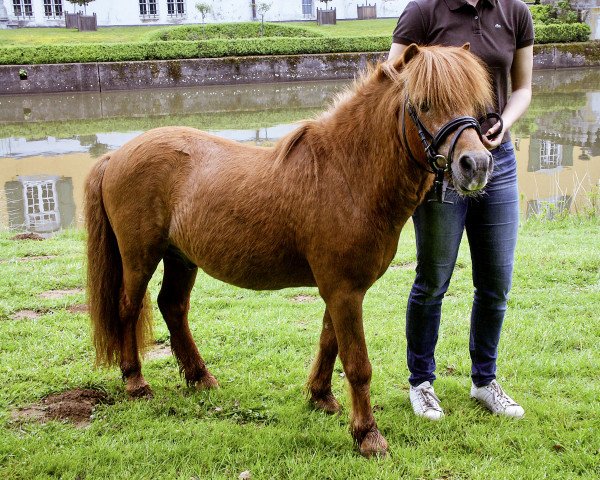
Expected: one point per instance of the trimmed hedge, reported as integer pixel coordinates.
(179, 49)
(562, 33)
(82, 53)
(97, 52)
(230, 31)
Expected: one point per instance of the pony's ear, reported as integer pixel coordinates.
(411, 51)
(466, 46)
(391, 69)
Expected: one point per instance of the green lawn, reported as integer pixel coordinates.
(353, 28)
(260, 345)
(44, 36)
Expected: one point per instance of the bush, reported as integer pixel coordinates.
(162, 50)
(562, 33)
(562, 12)
(543, 14)
(230, 31)
(219, 47)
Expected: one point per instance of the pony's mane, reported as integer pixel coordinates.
(447, 80)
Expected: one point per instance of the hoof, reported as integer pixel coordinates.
(139, 391)
(206, 382)
(327, 404)
(373, 445)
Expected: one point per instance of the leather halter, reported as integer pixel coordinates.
(438, 163)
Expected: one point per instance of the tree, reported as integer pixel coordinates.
(262, 8)
(81, 3)
(204, 9)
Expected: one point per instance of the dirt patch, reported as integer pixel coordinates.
(27, 236)
(158, 351)
(304, 299)
(79, 308)
(75, 406)
(404, 266)
(54, 294)
(36, 257)
(26, 315)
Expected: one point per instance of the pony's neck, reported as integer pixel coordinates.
(365, 129)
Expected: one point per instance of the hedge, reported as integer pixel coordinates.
(82, 53)
(550, 14)
(562, 33)
(230, 31)
(179, 49)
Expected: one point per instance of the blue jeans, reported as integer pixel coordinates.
(491, 222)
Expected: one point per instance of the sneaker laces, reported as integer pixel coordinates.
(499, 395)
(429, 399)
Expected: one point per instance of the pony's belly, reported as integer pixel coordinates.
(259, 274)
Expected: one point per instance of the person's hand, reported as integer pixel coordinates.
(493, 137)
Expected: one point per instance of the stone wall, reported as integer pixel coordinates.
(91, 77)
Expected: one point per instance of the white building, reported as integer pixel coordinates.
(49, 13)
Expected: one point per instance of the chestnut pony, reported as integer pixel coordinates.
(324, 207)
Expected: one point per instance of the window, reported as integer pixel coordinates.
(41, 205)
(307, 7)
(176, 8)
(53, 8)
(148, 8)
(22, 8)
(550, 154)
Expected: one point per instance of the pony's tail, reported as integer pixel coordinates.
(105, 277)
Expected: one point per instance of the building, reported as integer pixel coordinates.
(50, 13)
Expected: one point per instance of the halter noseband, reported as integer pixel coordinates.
(438, 163)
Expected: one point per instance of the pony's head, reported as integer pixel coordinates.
(444, 90)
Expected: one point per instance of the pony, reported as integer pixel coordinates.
(323, 207)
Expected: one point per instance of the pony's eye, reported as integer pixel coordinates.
(424, 107)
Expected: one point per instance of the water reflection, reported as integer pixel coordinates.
(49, 142)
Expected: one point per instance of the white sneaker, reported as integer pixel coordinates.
(424, 401)
(496, 401)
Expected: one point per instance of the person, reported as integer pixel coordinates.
(500, 33)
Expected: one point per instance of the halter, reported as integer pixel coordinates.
(438, 163)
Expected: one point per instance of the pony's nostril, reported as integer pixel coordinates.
(467, 163)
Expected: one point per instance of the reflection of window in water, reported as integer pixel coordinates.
(41, 203)
(546, 155)
(550, 154)
(41, 206)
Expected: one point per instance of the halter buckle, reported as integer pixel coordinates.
(435, 163)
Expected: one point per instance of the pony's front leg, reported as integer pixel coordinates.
(319, 380)
(345, 309)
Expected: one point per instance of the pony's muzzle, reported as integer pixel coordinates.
(474, 170)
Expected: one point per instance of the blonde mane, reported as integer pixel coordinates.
(447, 80)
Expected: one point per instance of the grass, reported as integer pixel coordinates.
(353, 28)
(45, 36)
(260, 345)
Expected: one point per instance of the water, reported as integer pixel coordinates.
(49, 142)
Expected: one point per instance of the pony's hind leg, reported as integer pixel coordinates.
(174, 304)
(136, 325)
(319, 380)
